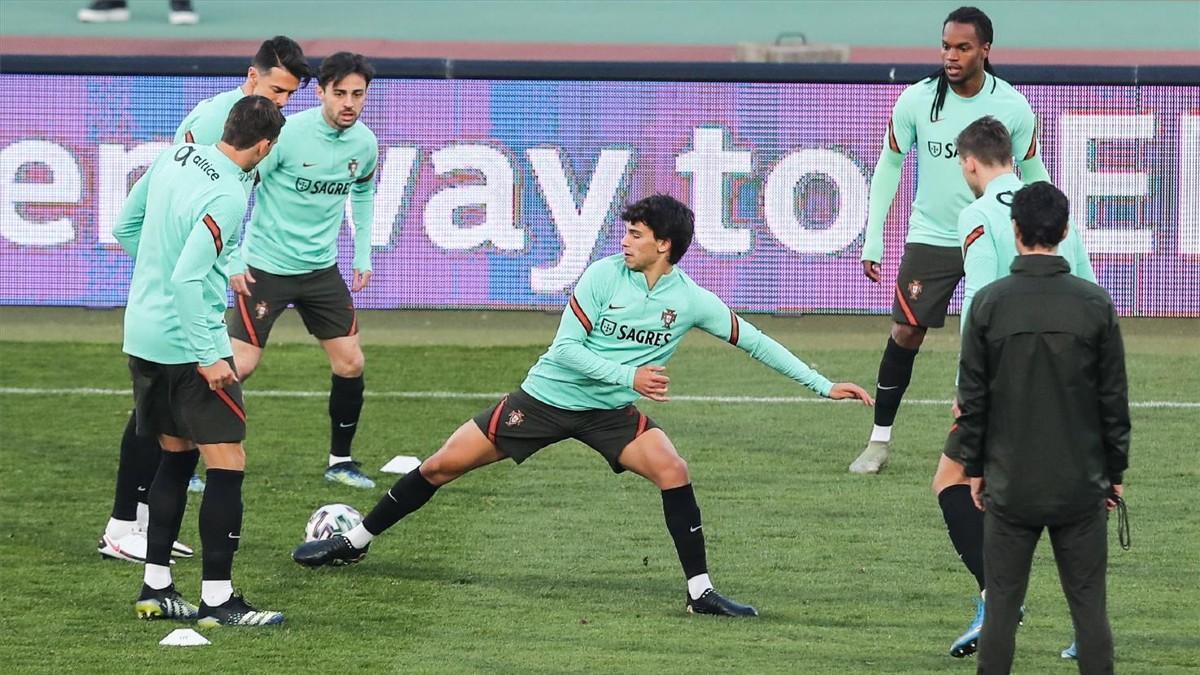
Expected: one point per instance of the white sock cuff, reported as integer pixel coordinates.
(359, 536)
(881, 434)
(157, 577)
(698, 584)
(216, 592)
(338, 459)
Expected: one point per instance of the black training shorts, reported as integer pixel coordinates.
(174, 399)
(321, 297)
(926, 281)
(520, 425)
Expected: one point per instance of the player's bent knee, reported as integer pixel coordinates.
(908, 337)
(672, 473)
(229, 456)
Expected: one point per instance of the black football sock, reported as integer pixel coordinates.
(220, 522)
(345, 405)
(683, 522)
(407, 495)
(149, 454)
(130, 474)
(965, 524)
(168, 500)
(895, 372)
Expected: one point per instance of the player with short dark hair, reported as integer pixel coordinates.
(277, 70)
(289, 256)
(625, 318)
(180, 223)
(989, 247)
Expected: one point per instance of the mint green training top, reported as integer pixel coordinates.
(614, 324)
(301, 199)
(206, 122)
(181, 223)
(989, 245)
(941, 190)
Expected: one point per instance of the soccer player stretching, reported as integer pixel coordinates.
(277, 71)
(180, 223)
(290, 252)
(624, 320)
(989, 245)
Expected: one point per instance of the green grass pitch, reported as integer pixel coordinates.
(558, 565)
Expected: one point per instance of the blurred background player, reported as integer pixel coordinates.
(989, 248)
(110, 11)
(928, 116)
(626, 317)
(181, 224)
(276, 72)
(289, 256)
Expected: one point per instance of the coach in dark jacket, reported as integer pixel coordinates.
(1045, 430)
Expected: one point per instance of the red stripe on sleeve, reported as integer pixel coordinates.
(581, 315)
(733, 330)
(215, 231)
(187, 136)
(975, 234)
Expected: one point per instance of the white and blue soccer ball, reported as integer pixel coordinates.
(331, 520)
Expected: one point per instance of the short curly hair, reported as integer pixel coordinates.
(667, 218)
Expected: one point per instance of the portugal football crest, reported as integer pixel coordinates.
(914, 289)
(514, 419)
(668, 318)
(353, 168)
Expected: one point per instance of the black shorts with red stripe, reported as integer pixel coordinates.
(321, 297)
(925, 283)
(520, 425)
(174, 399)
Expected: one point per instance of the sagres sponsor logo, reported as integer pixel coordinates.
(914, 289)
(515, 418)
(935, 148)
(607, 326)
(668, 317)
(303, 184)
(323, 187)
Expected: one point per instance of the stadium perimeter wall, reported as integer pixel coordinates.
(500, 181)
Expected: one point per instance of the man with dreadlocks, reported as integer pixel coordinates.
(928, 117)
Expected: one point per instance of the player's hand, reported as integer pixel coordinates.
(843, 390)
(977, 493)
(871, 269)
(241, 283)
(649, 381)
(954, 409)
(361, 279)
(1118, 492)
(218, 375)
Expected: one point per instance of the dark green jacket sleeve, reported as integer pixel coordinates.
(1114, 400)
(973, 387)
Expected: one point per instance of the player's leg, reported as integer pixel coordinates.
(652, 455)
(252, 317)
(925, 283)
(216, 422)
(1081, 553)
(345, 408)
(964, 524)
(466, 449)
(325, 306)
(1009, 549)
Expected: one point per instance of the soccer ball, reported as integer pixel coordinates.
(331, 520)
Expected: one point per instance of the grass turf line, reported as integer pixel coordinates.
(558, 565)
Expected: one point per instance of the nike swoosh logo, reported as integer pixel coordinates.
(693, 529)
(141, 489)
(234, 536)
(615, 307)
(308, 164)
(883, 388)
(346, 426)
